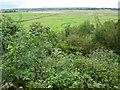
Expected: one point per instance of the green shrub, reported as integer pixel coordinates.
(104, 55)
(77, 39)
(9, 28)
(25, 57)
(102, 74)
(108, 35)
(85, 29)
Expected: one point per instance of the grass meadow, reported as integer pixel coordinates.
(57, 20)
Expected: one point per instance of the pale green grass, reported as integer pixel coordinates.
(64, 17)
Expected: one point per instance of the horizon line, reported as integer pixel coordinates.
(61, 7)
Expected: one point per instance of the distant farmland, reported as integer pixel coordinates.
(57, 19)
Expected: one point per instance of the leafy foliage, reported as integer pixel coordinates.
(40, 58)
(77, 39)
(9, 28)
(108, 35)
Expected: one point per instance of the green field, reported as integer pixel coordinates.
(56, 20)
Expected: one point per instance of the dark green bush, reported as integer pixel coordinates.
(85, 29)
(77, 39)
(108, 36)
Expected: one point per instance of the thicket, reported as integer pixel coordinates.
(86, 56)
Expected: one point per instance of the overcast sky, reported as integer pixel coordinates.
(57, 3)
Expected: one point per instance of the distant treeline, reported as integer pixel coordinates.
(12, 10)
(43, 9)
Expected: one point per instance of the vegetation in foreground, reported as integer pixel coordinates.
(84, 56)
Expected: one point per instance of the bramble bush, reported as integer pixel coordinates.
(39, 58)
